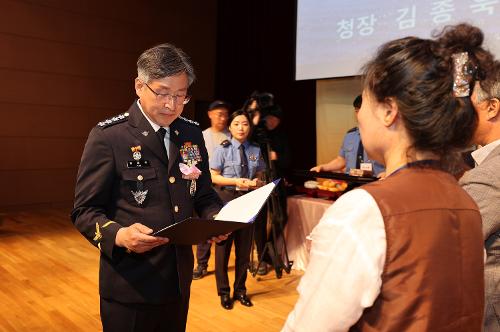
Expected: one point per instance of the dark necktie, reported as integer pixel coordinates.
(359, 155)
(244, 162)
(161, 135)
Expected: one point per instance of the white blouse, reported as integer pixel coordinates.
(345, 268)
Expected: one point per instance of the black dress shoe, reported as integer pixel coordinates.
(199, 272)
(243, 298)
(262, 271)
(226, 302)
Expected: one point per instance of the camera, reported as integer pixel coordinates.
(259, 106)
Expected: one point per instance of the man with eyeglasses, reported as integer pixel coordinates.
(482, 183)
(218, 113)
(130, 183)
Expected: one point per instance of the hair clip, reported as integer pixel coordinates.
(461, 74)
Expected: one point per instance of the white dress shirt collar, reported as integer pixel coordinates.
(480, 154)
(154, 125)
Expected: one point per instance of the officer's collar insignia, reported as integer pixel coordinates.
(190, 153)
(145, 133)
(140, 196)
(136, 152)
(176, 132)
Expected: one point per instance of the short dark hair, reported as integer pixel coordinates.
(239, 112)
(418, 74)
(219, 104)
(162, 61)
(357, 101)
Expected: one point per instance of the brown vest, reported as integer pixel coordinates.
(433, 273)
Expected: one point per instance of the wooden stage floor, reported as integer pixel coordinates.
(49, 275)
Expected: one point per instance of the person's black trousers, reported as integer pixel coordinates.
(139, 317)
(203, 254)
(242, 239)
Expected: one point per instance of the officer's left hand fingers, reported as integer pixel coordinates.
(143, 239)
(219, 238)
(144, 247)
(142, 228)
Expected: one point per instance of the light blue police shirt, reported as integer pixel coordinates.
(349, 151)
(226, 159)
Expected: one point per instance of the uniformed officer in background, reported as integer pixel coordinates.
(237, 167)
(218, 112)
(352, 154)
(130, 184)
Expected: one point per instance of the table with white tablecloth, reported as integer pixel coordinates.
(303, 214)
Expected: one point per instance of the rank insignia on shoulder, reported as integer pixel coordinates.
(189, 121)
(225, 143)
(114, 120)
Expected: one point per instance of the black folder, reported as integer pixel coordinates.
(198, 230)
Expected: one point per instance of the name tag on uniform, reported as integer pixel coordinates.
(366, 167)
(138, 163)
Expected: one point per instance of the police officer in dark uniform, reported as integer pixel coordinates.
(130, 184)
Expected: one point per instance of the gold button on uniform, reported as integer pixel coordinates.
(140, 177)
(176, 208)
(171, 179)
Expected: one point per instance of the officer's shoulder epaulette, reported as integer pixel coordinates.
(189, 121)
(352, 130)
(225, 143)
(114, 120)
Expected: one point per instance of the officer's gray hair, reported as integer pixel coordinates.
(494, 92)
(162, 61)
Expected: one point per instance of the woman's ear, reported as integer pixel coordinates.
(390, 111)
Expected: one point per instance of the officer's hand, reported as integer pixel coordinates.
(242, 183)
(273, 155)
(136, 238)
(317, 168)
(218, 239)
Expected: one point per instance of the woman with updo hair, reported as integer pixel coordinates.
(404, 253)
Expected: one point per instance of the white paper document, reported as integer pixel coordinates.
(245, 208)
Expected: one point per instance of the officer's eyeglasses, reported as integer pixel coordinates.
(176, 99)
